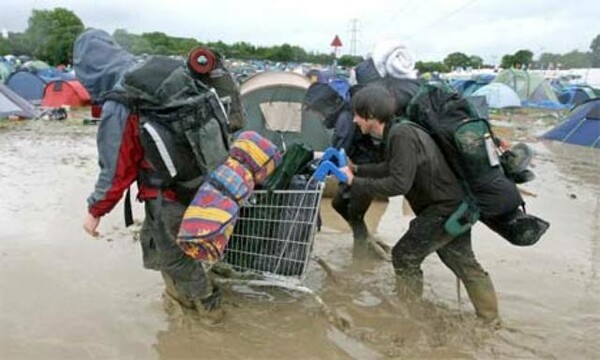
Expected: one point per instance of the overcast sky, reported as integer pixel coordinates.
(432, 28)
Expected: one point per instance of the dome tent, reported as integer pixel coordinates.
(499, 96)
(470, 86)
(5, 71)
(531, 88)
(273, 102)
(28, 85)
(575, 95)
(59, 93)
(582, 126)
(11, 104)
(34, 65)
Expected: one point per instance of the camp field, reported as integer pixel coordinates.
(516, 123)
(99, 302)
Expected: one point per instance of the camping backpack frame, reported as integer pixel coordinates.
(183, 125)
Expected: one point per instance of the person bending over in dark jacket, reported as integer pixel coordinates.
(414, 166)
(360, 148)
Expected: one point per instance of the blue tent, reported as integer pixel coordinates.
(472, 88)
(469, 87)
(30, 82)
(461, 85)
(12, 104)
(575, 95)
(479, 82)
(339, 84)
(27, 85)
(53, 74)
(582, 127)
(499, 96)
(485, 78)
(342, 87)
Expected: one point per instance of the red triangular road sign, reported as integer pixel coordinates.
(336, 42)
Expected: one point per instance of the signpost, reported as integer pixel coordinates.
(336, 43)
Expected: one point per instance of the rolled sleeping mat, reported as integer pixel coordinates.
(201, 61)
(517, 227)
(209, 220)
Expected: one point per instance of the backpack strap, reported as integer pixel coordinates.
(127, 209)
(221, 115)
(186, 190)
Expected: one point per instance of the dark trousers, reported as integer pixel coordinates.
(160, 251)
(426, 235)
(353, 210)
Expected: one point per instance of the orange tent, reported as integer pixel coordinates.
(70, 92)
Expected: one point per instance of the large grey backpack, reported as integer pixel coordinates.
(183, 124)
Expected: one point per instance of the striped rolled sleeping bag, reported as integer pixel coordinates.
(208, 221)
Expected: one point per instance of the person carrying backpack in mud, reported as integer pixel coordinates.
(165, 130)
(415, 167)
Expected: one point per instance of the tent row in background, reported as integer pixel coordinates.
(48, 88)
(519, 88)
(36, 83)
(273, 101)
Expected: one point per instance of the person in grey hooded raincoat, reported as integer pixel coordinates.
(100, 64)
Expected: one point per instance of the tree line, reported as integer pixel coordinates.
(160, 43)
(520, 59)
(50, 35)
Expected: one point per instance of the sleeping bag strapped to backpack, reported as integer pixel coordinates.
(182, 123)
(469, 147)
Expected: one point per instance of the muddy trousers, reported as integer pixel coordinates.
(160, 251)
(353, 210)
(426, 235)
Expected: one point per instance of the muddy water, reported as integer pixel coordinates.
(64, 295)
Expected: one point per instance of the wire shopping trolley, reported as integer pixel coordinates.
(273, 238)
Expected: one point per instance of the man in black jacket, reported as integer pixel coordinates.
(414, 166)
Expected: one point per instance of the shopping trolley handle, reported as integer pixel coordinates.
(337, 157)
(331, 162)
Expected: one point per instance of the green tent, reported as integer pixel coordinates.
(35, 65)
(4, 72)
(273, 102)
(529, 86)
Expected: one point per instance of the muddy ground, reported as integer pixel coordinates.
(64, 295)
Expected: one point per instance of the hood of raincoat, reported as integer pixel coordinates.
(99, 62)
